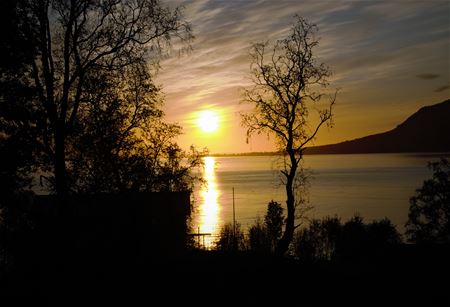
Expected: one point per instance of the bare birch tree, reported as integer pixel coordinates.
(289, 82)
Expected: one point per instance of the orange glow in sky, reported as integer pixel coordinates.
(388, 60)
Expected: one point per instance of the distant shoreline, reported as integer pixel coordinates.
(244, 154)
(275, 153)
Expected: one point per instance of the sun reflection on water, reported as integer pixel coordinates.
(209, 207)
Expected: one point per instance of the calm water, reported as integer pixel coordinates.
(373, 185)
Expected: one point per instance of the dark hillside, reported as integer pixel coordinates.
(427, 130)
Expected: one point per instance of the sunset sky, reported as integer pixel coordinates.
(389, 58)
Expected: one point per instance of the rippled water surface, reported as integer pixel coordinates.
(372, 185)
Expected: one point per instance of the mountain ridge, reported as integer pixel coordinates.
(427, 130)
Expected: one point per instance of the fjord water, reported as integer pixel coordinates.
(371, 185)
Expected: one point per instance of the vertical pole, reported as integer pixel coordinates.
(198, 237)
(234, 224)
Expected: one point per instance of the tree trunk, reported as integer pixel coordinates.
(59, 161)
(286, 239)
(288, 235)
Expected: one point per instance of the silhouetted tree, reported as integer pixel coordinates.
(231, 238)
(329, 239)
(366, 240)
(429, 211)
(318, 240)
(17, 149)
(79, 106)
(258, 237)
(126, 140)
(68, 47)
(383, 233)
(287, 81)
(353, 241)
(274, 221)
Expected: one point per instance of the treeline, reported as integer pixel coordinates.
(326, 239)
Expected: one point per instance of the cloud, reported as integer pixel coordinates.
(427, 76)
(372, 47)
(442, 88)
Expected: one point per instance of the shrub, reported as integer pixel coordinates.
(274, 221)
(230, 239)
(429, 211)
(259, 240)
(329, 239)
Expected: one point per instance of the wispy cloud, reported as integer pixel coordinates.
(442, 88)
(367, 44)
(427, 76)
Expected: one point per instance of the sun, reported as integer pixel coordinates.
(208, 121)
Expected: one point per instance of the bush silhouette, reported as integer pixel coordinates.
(274, 221)
(230, 238)
(329, 239)
(318, 240)
(429, 211)
(259, 240)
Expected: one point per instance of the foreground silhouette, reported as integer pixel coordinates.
(338, 264)
(405, 276)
